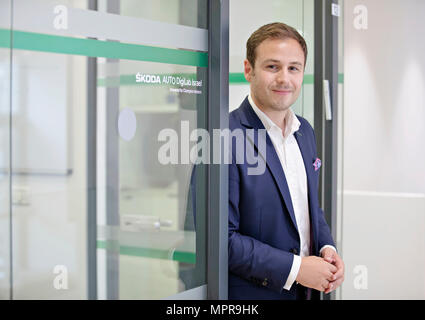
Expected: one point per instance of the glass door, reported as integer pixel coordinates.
(5, 77)
(151, 98)
(106, 102)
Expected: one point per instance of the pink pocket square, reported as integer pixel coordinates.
(317, 164)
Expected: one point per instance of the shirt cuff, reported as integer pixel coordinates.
(296, 264)
(327, 246)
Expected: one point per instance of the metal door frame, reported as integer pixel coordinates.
(326, 68)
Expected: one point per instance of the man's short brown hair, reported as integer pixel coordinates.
(276, 30)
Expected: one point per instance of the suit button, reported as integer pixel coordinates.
(294, 251)
(265, 283)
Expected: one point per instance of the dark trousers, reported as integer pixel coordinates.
(303, 293)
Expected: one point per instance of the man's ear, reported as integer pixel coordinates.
(248, 70)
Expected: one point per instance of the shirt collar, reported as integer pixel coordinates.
(293, 124)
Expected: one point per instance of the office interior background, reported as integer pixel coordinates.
(88, 212)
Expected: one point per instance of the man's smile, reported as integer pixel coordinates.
(282, 92)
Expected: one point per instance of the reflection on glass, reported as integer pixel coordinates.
(4, 149)
(156, 236)
(49, 181)
(190, 13)
(148, 244)
(48, 161)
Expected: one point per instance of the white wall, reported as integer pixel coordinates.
(383, 174)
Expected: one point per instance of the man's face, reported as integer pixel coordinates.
(278, 74)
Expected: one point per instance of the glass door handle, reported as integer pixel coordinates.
(327, 99)
(134, 222)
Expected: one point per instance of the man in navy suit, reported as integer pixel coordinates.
(280, 246)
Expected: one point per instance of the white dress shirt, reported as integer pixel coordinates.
(290, 157)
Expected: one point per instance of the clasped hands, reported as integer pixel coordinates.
(325, 273)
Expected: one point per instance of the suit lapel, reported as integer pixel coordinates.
(251, 120)
(308, 164)
(274, 165)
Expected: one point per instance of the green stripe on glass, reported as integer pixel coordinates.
(181, 256)
(130, 79)
(107, 49)
(5, 38)
(239, 78)
(187, 257)
(308, 79)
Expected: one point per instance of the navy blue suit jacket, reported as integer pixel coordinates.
(263, 234)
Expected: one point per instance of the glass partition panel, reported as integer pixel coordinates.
(147, 224)
(147, 217)
(149, 195)
(5, 35)
(182, 12)
(48, 152)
